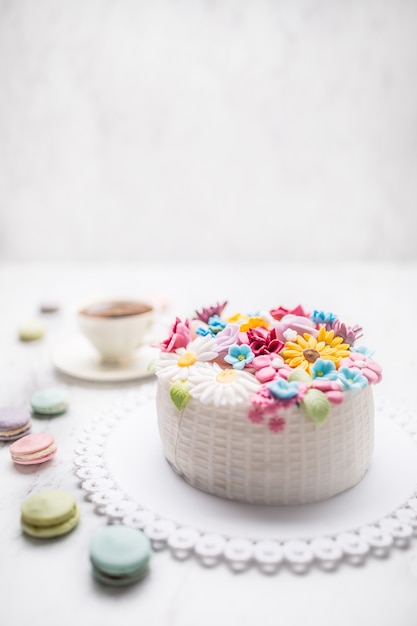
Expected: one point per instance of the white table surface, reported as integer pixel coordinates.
(51, 582)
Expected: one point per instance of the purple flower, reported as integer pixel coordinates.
(207, 312)
(349, 334)
(227, 337)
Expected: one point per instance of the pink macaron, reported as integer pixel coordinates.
(34, 448)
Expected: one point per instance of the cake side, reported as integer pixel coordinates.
(220, 451)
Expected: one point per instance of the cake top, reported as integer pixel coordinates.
(271, 360)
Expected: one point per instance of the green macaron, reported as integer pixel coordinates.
(49, 513)
(120, 555)
(50, 401)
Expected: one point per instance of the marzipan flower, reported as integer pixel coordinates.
(264, 341)
(349, 334)
(324, 369)
(363, 350)
(203, 331)
(320, 317)
(279, 312)
(351, 378)
(179, 336)
(179, 364)
(276, 424)
(216, 324)
(369, 368)
(295, 322)
(283, 389)
(207, 312)
(227, 337)
(331, 388)
(247, 321)
(307, 349)
(267, 366)
(225, 387)
(239, 356)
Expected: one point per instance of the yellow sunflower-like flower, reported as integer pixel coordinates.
(306, 349)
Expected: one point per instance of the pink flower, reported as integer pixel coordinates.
(298, 323)
(256, 415)
(331, 388)
(263, 399)
(324, 384)
(284, 372)
(302, 390)
(267, 366)
(276, 424)
(264, 341)
(179, 336)
(369, 368)
(281, 311)
(336, 397)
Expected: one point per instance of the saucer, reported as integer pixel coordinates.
(76, 357)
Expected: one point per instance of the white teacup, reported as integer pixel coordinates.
(116, 328)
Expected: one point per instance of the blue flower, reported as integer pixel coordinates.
(239, 356)
(203, 332)
(324, 369)
(283, 389)
(320, 317)
(216, 324)
(352, 378)
(363, 350)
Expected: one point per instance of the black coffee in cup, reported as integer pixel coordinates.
(117, 308)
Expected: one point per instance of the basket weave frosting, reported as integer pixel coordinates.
(218, 450)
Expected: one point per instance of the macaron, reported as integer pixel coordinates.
(48, 306)
(50, 401)
(33, 449)
(31, 330)
(120, 555)
(15, 422)
(49, 513)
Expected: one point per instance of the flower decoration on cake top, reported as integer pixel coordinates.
(271, 360)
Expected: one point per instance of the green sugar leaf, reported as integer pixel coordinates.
(179, 394)
(299, 374)
(316, 405)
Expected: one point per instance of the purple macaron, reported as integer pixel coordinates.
(15, 422)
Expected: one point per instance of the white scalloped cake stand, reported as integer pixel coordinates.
(120, 463)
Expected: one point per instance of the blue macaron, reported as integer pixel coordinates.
(50, 401)
(120, 555)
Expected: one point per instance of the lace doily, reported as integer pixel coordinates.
(103, 467)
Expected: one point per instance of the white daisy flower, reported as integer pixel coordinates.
(179, 364)
(224, 387)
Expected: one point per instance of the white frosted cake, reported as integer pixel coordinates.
(269, 408)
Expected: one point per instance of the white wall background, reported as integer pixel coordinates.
(187, 129)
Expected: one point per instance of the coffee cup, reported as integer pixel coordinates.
(116, 328)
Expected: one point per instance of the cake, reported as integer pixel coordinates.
(273, 407)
